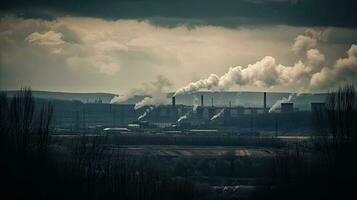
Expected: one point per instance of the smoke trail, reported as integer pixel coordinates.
(209, 83)
(283, 100)
(268, 73)
(185, 116)
(155, 93)
(216, 116)
(146, 112)
(124, 97)
(195, 104)
(307, 40)
(194, 109)
(264, 73)
(157, 99)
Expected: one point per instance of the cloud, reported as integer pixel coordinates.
(47, 38)
(225, 13)
(104, 64)
(344, 71)
(117, 55)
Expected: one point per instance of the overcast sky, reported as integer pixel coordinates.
(115, 46)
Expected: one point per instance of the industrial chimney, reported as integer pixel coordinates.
(265, 101)
(202, 100)
(173, 101)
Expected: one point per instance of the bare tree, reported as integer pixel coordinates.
(43, 128)
(336, 126)
(20, 120)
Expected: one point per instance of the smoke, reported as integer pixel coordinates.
(195, 104)
(264, 73)
(209, 83)
(194, 109)
(315, 59)
(124, 97)
(155, 93)
(146, 112)
(216, 116)
(156, 99)
(277, 104)
(310, 71)
(185, 116)
(303, 42)
(307, 40)
(345, 70)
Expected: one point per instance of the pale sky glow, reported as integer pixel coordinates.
(83, 54)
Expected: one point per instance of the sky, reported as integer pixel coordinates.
(131, 46)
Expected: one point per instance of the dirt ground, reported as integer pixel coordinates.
(182, 151)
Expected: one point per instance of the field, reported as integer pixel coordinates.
(192, 151)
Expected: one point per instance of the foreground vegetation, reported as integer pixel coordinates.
(32, 166)
(30, 171)
(327, 169)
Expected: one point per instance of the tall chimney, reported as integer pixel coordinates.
(173, 101)
(202, 100)
(265, 101)
(212, 101)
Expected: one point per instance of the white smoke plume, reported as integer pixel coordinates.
(345, 70)
(303, 43)
(156, 99)
(315, 60)
(155, 92)
(146, 112)
(277, 104)
(264, 73)
(195, 104)
(209, 83)
(194, 109)
(216, 116)
(307, 40)
(124, 97)
(185, 116)
(311, 72)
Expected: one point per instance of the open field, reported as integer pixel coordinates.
(192, 151)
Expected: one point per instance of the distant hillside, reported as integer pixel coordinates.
(83, 97)
(254, 99)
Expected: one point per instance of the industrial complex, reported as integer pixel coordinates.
(116, 118)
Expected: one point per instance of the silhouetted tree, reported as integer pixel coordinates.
(336, 125)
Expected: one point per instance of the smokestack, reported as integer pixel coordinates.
(173, 101)
(202, 100)
(212, 101)
(265, 101)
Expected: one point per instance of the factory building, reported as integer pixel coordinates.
(79, 116)
(317, 106)
(287, 107)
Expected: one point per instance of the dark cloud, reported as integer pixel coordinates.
(228, 13)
